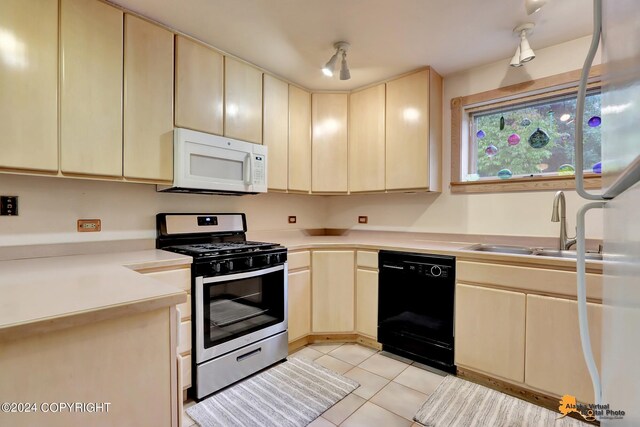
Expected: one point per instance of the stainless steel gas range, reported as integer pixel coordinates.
(239, 297)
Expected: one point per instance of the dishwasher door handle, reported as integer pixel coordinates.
(395, 267)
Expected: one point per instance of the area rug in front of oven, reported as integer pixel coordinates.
(291, 394)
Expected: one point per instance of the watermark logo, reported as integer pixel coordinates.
(590, 412)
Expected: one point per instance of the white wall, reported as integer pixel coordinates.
(505, 213)
(49, 208)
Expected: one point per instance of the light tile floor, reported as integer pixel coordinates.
(391, 391)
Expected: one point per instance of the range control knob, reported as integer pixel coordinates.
(249, 261)
(267, 259)
(216, 266)
(436, 271)
(230, 265)
(276, 258)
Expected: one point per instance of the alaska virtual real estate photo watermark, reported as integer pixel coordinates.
(55, 407)
(590, 412)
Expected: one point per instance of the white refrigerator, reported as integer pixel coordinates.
(619, 375)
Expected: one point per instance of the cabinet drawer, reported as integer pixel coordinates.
(184, 365)
(527, 278)
(180, 278)
(299, 260)
(185, 309)
(184, 345)
(367, 259)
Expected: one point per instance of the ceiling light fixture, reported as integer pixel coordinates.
(329, 68)
(524, 53)
(532, 6)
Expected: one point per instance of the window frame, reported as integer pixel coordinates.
(539, 89)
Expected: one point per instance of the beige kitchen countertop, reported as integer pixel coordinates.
(439, 244)
(43, 294)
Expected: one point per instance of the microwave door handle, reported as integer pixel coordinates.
(248, 170)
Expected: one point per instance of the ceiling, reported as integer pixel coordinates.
(294, 38)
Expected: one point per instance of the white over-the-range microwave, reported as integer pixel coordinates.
(211, 164)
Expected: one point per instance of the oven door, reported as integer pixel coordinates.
(235, 310)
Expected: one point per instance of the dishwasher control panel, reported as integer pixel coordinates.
(429, 270)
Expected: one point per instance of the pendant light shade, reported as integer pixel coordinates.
(524, 53)
(515, 61)
(344, 68)
(330, 66)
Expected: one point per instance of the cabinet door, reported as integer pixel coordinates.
(91, 88)
(299, 304)
(367, 303)
(554, 361)
(276, 131)
(299, 139)
(332, 291)
(407, 132)
(199, 87)
(148, 101)
(329, 143)
(489, 325)
(242, 101)
(29, 85)
(367, 139)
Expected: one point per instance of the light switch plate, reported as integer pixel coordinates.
(363, 219)
(293, 219)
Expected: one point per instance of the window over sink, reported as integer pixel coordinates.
(521, 137)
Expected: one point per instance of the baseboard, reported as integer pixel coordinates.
(531, 396)
(330, 338)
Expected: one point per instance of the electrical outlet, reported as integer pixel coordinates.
(9, 205)
(363, 219)
(293, 219)
(89, 225)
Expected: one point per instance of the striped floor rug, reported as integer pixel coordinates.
(458, 402)
(291, 394)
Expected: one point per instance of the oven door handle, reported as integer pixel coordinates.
(239, 276)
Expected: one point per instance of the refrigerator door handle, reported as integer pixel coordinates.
(583, 321)
(582, 93)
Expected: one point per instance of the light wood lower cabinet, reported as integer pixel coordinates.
(554, 359)
(148, 101)
(332, 277)
(299, 304)
(91, 37)
(367, 303)
(490, 331)
(29, 85)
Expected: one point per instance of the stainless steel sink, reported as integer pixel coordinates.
(523, 250)
(503, 249)
(566, 254)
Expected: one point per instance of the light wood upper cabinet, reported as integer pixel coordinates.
(329, 167)
(29, 85)
(199, 87)
(242, 101)
(299, 139)
(299, 305)
(332, 275)
(275, 116)
(367, 139)
(148, 101)
(91, 88)
(490, 331)
(367, 303)
(414, 132)
(554, 361)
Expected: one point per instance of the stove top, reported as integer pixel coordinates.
(201, 250)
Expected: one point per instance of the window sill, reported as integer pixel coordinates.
(543, 183)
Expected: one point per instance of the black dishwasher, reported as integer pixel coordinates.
(415, 307)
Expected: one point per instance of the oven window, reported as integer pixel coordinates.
(238, 307)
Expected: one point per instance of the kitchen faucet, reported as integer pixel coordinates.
(561, 217)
